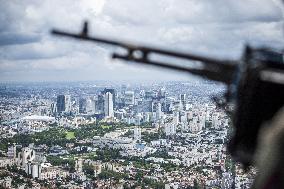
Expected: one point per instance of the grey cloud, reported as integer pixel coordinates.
(163, 12)
(9, 38)
(207, 11)
(10, 14)
(215, 28)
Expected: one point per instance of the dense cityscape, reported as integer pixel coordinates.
(116, 135)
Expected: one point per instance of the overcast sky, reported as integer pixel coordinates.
(211, 27)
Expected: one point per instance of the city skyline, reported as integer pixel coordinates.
(156, 135)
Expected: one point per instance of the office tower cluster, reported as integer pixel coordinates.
(140, 106)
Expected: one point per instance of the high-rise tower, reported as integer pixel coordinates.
(63, 103)
(108, 105)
